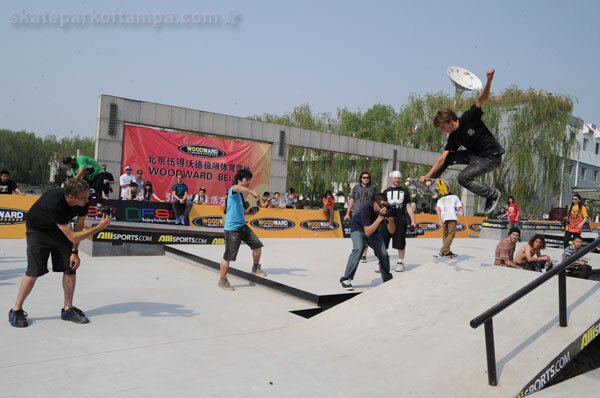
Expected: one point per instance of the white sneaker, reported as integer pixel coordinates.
(399, 266)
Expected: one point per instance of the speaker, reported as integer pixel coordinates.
(112, 120)
(281, 143)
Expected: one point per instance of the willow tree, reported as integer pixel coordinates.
(538, 139)
(532, 127)
(29, 158)
(311, 172)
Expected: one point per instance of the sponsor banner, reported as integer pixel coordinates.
(147, 237)
(561, 361)
(212, 221)
(428, 226)
(13, 215)
(135, 211)
(556, 226)
(206, 162)
(272, 223)
(490, 223)
(318, 225)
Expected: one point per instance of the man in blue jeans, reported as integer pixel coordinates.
(482, 152)
(364, 231)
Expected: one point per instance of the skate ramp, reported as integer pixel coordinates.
(411, 336)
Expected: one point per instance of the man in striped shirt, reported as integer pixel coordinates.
(362, 194)
(506, 249)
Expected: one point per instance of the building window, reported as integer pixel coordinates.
(582, 172)
(596, 176)
(585, 144)
(597, 148)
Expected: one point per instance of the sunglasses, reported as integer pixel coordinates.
(577, 199)
(366, 177)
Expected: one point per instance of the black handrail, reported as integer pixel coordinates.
(486, 317)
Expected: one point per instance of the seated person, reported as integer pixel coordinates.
(503, 214)
(133, 191)
(579, 268)
(505, 249)
(530, 256)
(328, 202)
(265, 201)
(277, 201)
(8, 186)
(147, 193)
(200, 198)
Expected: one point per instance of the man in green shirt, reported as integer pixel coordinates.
(88, 169)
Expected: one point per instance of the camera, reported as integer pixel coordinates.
(105, 210)
(391, 209)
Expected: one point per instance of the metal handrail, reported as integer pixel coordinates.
(486, 317)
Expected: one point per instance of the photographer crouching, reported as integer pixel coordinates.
(365, 231)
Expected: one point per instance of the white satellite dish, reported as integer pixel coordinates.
(463, 79)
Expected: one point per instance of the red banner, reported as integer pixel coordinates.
(205, 162)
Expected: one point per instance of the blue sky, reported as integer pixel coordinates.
(270, 56)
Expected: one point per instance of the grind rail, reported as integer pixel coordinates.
(486, 317)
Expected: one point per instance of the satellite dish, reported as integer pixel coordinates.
(463, 79)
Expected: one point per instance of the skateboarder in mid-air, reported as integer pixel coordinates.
(483, 153)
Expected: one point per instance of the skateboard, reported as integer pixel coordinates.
(430, 187)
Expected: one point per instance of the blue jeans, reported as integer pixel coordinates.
(477, 166)
(359, 242)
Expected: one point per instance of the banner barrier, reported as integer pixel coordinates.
(561, 361)
(267, 223)
(206, 162)
(149, 237)
(13, 215)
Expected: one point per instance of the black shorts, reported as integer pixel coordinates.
(40, 246)
(398, 238)
(233, 239)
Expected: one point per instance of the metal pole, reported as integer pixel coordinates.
(490, 352)
(562, 298)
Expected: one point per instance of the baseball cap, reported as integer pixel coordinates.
(128, 168)
(395, 173)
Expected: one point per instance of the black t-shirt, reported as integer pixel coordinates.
(52, 209)
(7, 187)
(365, 217)
(398, 196)
(473, 135)
(106, 187)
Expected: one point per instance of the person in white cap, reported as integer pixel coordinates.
(397, 196)
(125, 181)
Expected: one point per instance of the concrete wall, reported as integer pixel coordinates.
(109, 147)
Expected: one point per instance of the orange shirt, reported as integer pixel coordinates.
(575, 218)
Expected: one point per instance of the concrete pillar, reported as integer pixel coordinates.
(468, 200)
(388, 167)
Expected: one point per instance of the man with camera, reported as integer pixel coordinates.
(402, 212)
(365, 231)
(49, 233)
